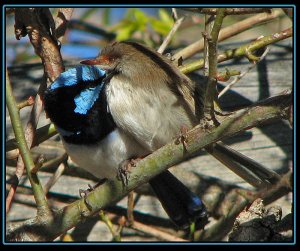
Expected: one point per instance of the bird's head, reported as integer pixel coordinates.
(76, 103)
(110, 57)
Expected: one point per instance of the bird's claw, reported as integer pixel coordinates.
(125, 169)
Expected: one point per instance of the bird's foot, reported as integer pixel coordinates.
(125, 169)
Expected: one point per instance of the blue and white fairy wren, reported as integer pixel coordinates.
(151, 100)
(78, 104)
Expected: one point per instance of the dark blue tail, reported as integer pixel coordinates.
(182, 205)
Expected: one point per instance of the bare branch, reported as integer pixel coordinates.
(61, 22)
(211, 89)
(229, 11)
(229, 32)
(241, 51)
(170, 35)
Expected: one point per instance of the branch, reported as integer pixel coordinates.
(38, 23)
(13, 110)
(241, 75)
(62, 21)
(228, 32)
(236, 200)
(170, 35)
(42, 134)
(229, 11)
(258, 224)
(241, 51)
(167, 156)
(211, 89)
(289, 12)
(86, 27)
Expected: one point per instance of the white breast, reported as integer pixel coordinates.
(103, 159)
(153, 118)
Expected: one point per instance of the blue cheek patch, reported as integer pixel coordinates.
(76, 75)
(82, 73)
(85, 100)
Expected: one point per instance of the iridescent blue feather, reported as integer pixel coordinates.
(76, 75)
(85, 100)
(83, 73)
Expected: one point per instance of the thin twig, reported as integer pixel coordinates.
(238, 78)
(208, 27)
(140, 227)
(38, 164)
(237, 200)
(155, 232)
(211, 89)
(174, 14)
(62, 21)
(229, 11)
(130, 208)
(229, 32)
(42, 134)
(27, 102)
(39, 194)
(54, 178)
(170, 35)
(109, 224)
(83, 26)
(241, 51)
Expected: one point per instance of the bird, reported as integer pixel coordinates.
(76, 103)
(151, 100)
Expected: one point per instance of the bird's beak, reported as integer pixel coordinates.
(90, 62)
